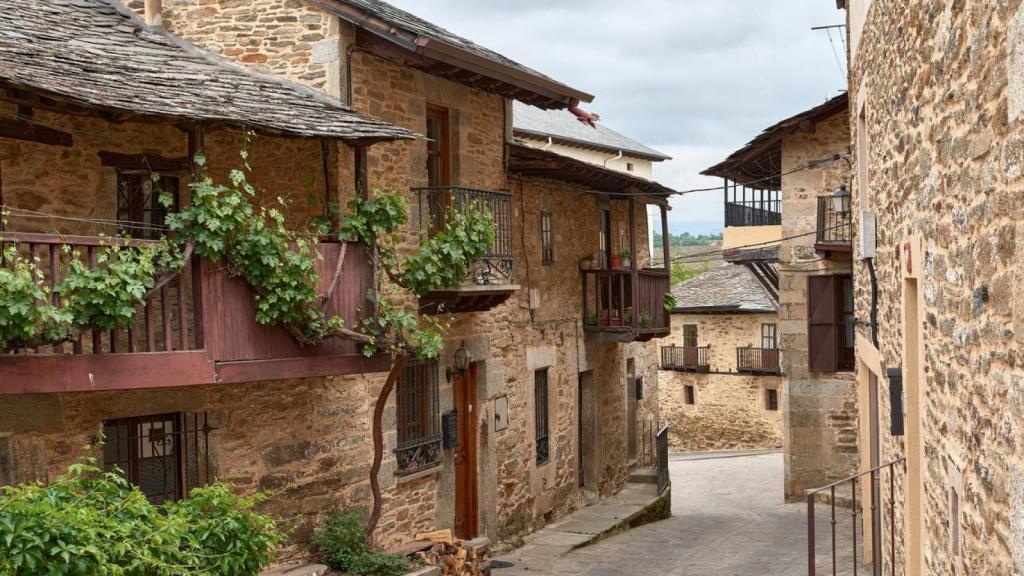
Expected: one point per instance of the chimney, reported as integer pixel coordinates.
(154, 13)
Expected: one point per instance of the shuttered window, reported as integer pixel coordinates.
(771, 399)
(830, 323)
(547, 239)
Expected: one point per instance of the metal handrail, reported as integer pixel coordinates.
(876, 552)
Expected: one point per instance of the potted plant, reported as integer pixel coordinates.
(616, 320)
(625, 257)
(587, 262)
(645, 320)
(614, 261)
(592, 319)
(627, 316)
(602, 318)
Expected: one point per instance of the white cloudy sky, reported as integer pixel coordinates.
(695, 79)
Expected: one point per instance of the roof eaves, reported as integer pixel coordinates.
(591, 145)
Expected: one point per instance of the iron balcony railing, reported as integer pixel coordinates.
(866, 523)
(685, 358)
(835, 224)
(435, 202)
(757, 360)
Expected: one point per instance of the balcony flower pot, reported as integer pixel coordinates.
(616, 321)
(615, 261)
(587, 262)
(603, 318)
(625, 258)
(592, 319)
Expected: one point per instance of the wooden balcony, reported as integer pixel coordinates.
(622, 306)
(835, 225)
(757, 360)
(490, 280)
(199, 329)
(685, 358)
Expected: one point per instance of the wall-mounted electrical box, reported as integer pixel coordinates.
(866, 235)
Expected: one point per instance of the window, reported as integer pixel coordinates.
(547, 241)
(138, 203)
(419, 427)
(629, 166)
(164, 455)
(439, 161)
(771, 399)
(690, 335)
(769, 338)
(831, 324)
(690, 396)
(540, 407)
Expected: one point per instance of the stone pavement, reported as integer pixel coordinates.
(729, 519)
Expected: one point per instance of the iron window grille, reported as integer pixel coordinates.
(540, 402)
(419, 419)
(164, 455)
(547, 241)
(138, 203)
(771, 399)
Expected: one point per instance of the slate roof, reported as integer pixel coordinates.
(729, 288)
(428, 39)
(563, 126)
(530, 160)
(98, 54)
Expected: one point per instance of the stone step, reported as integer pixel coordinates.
(643, 476)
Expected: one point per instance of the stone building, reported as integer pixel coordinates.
(298, 423)
(790, 184)
(720, 384)
(935, 112)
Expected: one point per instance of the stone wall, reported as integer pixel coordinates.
(941, 83)
(730, 410)
(820, 408)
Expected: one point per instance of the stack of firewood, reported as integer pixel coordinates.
(453, 556)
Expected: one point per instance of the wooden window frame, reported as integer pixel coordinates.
(828, 321)
(690, 395)
(769, 335)
(696, 336)
(771, 399)
(418, 418)
(541, 416)
(547, 239)
(444, 149)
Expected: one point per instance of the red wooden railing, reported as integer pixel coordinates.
(199, 328)
(757, 360)
(164, 323)
(608, 303)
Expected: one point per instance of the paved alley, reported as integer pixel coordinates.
(729, 519)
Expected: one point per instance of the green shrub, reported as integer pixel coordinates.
(341, 541)
(89, 523)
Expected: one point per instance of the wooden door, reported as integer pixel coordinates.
(466, 493)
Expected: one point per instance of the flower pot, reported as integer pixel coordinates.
(616, 261)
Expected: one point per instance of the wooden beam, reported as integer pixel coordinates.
(29, 132)
(151, 162)
(301, 367)
(42, 373)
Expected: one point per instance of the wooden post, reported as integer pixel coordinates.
(666, 250)
(634, 274)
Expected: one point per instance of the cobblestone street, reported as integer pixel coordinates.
(729, 519)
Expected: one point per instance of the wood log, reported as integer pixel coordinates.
(441, 536)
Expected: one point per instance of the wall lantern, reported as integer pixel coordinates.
(460, 362)
(841, 200)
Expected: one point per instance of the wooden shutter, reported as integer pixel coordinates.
(821, 324)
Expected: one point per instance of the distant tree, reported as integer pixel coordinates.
(682, 271)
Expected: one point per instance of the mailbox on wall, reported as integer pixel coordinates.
(450, 429)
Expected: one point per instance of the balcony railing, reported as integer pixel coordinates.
(608, 302)
(835, 224)
(757, 360)
(198, 329)
(495, 267)
(685, 358)
(752, 207)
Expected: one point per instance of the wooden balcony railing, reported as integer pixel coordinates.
(198, 329)
(835, 224)
(685, 358)
(608, 302)
(757, 360)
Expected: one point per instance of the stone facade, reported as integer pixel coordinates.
(938, 86)
(820, 408)
(730, 408)
(307, 441)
